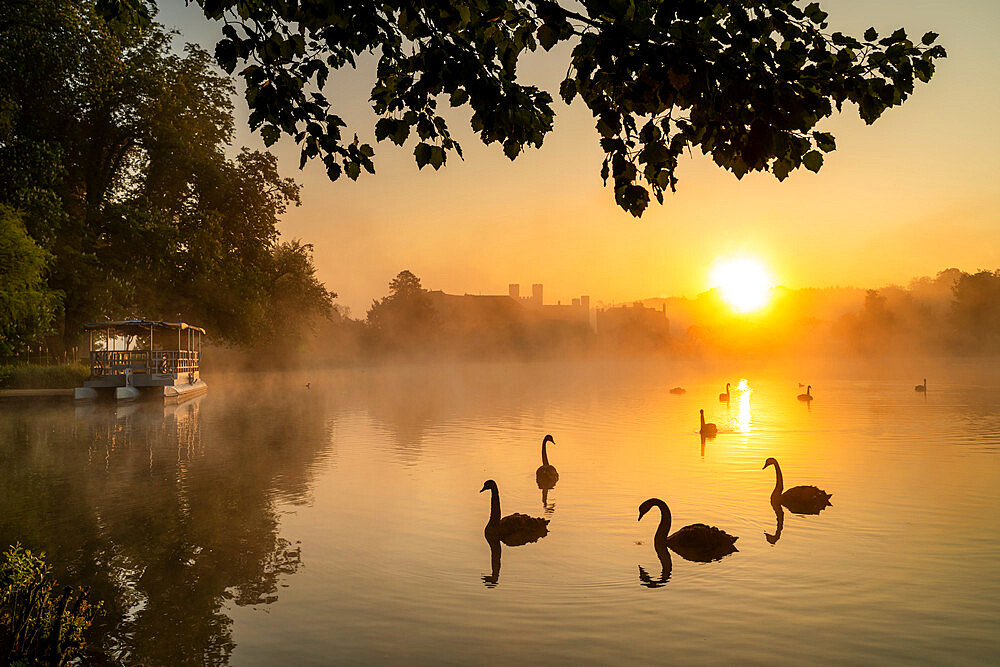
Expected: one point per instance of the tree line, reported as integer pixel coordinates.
(952, 313)
(121, 196)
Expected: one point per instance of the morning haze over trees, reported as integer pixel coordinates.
(122, 195)
(118, 196)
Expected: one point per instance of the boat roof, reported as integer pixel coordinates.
(140, 326)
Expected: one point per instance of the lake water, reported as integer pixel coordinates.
(270, 523)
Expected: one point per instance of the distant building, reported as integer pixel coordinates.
(514, 291)
(536, 294)
(634, 326)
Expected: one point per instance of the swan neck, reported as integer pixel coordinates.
(494, 505)
(779, 481)
(663, 530)
(545, 456)
(702, 420)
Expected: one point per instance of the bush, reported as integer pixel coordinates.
(38, 625)
(62, 376)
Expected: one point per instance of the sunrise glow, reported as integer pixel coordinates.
(744, 282)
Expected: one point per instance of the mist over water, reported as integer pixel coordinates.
(271, 523)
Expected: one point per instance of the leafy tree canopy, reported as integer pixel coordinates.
(405, 317)
(745, 82)
(113, 147)
(27, 305)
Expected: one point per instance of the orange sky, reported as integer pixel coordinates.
(915, 193)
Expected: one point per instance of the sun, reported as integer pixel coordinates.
(744, 282)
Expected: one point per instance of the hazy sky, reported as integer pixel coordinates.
(915, 193)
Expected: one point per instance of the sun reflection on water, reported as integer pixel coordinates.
(742, 422)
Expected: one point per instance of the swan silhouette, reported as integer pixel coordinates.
(678, 391)
(513, 529)
(806, 396)
(798, 499)
(696, 542)
(725, 397)
(708, 430)
(921, 387)
(546, 476)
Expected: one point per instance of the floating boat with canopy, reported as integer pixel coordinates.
(130, 359)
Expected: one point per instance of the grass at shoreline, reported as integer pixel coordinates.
(62, 376)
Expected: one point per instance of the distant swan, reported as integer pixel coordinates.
(725, 397)
(546, 476)
(513, 529)
(808, 395)
(708, 430)
(678, 391)
(696, 542)
(921, 387)
(798, 499)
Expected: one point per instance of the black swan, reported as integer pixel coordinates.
(921, 387)
(806, 396)
(513, 529)
(725, 397)
(546, 476)
(798, 499)
(678, 391)
(696, 542)
(708, 430)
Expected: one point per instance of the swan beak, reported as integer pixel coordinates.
(482, 489)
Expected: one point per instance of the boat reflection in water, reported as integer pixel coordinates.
(173, 516)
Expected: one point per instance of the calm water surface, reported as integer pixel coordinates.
(270, 523)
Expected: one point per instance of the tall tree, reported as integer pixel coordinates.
(27, 305)
(405, 319)
(744, 82)
(114, 146)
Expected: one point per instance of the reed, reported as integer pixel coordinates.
(28, 376)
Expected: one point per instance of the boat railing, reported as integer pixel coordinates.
(162, 362)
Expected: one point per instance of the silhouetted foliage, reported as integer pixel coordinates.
(39, 625)
(975, 311)
(744, 82)
(405, 318)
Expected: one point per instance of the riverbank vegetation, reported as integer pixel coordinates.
(40, 624)
(32, 376)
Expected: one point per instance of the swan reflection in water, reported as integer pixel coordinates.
(547, 507)
(491, 580)
(513, 530)
(666, 565)
(697, 542)
(779, 523)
